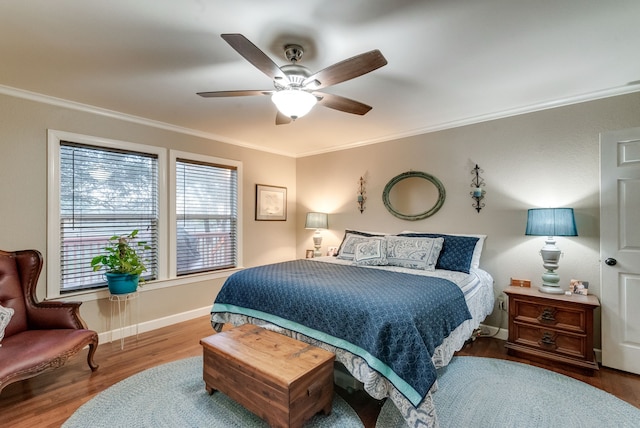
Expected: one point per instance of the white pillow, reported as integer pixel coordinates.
(413, 253)
(372, 252)
(5, 317)
(477, 252)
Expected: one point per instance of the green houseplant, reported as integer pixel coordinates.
(122, 262)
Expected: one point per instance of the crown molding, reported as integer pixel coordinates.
(86, 108)
(46, 99)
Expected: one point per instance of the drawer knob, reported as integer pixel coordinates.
(547, 339)
(548, 315)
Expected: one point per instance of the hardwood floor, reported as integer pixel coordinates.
(49, 399)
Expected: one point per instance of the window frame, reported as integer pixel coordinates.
(166, 214)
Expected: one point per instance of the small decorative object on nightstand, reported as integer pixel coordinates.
(552, 327)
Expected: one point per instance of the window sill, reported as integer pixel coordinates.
(103, 293)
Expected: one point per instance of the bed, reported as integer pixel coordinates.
(393, 308)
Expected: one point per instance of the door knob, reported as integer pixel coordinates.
(610, 262)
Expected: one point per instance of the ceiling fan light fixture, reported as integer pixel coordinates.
(294, 103)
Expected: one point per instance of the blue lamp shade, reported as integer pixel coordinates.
(317, 221)
(551, 222)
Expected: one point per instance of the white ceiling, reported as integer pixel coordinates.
(450, 62)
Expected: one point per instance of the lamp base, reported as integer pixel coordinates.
(550, 257)
(317, 243)
(550, 289)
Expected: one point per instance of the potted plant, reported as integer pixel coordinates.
(122, 263)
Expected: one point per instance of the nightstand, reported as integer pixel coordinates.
(552, 327)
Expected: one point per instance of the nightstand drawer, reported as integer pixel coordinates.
(564, 318)
(558, 342)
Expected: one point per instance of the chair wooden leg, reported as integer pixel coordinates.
(93, 346)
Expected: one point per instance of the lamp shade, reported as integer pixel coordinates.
(551, 222)
(294, 103)
(317, 221)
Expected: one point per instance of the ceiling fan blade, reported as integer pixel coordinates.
(282, 119)
(346, 70)
(215, 94)
(255, 56)
(346, 105)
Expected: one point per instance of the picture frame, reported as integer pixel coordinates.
(309, 254)
(332, 251)
(577, 286)
(271, 203)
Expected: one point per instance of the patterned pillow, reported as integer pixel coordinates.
(477, 252)
(457, 250)
(5, 317)
(372, 252)
(414, 253)
(351, 239)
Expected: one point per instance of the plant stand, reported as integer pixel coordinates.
(122, 301)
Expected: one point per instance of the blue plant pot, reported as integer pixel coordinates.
(122, 283)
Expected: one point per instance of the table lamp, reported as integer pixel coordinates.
(551, 222)
(317, 221)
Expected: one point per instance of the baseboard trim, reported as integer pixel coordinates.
(130, 330)
(598, 353)
(495, 332)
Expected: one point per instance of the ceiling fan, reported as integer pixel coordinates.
(296, 88)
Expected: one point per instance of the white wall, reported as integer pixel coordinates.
(543, 159)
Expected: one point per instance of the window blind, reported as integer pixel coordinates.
(206, 216)
(103, 193)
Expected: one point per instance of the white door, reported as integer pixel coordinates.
(620, 248)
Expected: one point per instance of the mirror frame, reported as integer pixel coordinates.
(414, 174)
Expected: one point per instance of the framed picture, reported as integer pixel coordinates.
(309, 254)
(271, 202)
(577, 286)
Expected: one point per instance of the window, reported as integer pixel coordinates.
(104, 192)
(99, 188)
(206, 216)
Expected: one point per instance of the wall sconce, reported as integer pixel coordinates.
(361, 194)
(477, 194)
(317, 221)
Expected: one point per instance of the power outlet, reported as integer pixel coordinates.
(502, 304)
(520, 282)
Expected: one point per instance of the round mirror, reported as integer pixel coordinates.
(413, 192)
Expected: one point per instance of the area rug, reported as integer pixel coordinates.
(486, 393)
(173, 395)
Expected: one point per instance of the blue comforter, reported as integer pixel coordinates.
(392, 320)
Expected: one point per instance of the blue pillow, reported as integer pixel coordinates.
(457, 251)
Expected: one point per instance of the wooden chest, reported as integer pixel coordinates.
(552, 327)
(283, 381)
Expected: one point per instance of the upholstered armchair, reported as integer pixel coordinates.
(39, 336)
